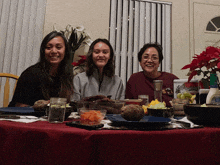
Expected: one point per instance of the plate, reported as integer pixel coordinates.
(88, 127)
(146, 121)
(21, 111)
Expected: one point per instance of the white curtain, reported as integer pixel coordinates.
(134, 23)
(21, 33)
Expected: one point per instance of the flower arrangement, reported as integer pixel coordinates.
(80, 65)
(81, 61)
(205, 63)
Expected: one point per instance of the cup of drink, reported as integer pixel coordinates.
(144, 98)
(57, 110)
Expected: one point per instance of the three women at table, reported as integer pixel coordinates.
(52, 76)
(150, 56)
(99, 77)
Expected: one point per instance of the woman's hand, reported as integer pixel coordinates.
(21, 105)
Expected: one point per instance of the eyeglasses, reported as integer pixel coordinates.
(153, 58)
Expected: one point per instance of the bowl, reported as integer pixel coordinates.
(177, 105)
(133, 101)
(201, 115)
(113, 107)
(167, 112)
(91, 116)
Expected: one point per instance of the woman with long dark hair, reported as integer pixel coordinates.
(99, 78)
(52, 76)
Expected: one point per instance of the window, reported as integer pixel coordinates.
(214, 25)
(134, 23)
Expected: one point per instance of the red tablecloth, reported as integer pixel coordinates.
(46, 143)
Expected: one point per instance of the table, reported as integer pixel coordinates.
(45, 143)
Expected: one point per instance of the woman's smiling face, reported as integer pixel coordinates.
(150, 61)
(55, 50)
(101, 54)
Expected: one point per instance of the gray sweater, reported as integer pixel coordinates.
(85, 86)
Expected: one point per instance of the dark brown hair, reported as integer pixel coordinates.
(108, 69)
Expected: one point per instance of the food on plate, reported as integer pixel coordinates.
(91, 117)
(153, 104)
(103, 102)
(41, 105)
(159, 105)
(186, 95)
(203, 105)
(132, 112)
(94, 98)
(145, 108)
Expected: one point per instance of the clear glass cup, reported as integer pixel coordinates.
(57, 110)
(144, 98)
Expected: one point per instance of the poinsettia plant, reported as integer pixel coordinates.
(81, 61)
(205, 63)
(80, 65)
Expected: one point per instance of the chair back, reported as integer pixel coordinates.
(7, 86)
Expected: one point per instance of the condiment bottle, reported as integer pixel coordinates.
(158, 89)
(214, 90)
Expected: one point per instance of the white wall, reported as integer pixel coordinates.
(94, 16)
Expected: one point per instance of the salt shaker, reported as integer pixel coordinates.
(158, 89)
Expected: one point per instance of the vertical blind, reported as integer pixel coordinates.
(21, 32)
(134, 23)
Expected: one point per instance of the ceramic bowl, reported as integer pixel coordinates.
(198, 114)
(167, 113)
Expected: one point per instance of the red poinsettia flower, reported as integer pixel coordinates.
(210, 58)
(80, 61)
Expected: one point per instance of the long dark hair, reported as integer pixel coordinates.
(109, 69)
(157, 46)
(64, 72)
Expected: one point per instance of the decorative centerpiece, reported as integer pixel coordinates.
(79, 42)
(204, 64)
(80, 65)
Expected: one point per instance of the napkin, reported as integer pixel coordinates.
(192, 125)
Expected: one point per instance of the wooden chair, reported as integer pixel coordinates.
(7, 87)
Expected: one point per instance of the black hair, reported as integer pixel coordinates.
(157, 46)
(108, 69)
(64, 72)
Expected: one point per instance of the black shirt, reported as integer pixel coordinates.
(30, 86)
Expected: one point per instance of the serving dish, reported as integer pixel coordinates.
(78, 124)
(133, 101)
(198, 114)
(166, 113)
(146, 121)
(21, 111)
(177, 105)
(30, 111)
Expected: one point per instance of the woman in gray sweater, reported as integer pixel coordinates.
(99, 77)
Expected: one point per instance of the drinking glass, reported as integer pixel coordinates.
(57, 110)
(145, 99)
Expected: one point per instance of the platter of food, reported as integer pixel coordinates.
(146, 121)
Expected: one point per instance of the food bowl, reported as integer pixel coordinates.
(166, 112)
(204, 115)
(91, 116)
(177, 105)
(113, 107)
(133, 101)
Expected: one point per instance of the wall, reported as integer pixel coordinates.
(94, 16)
